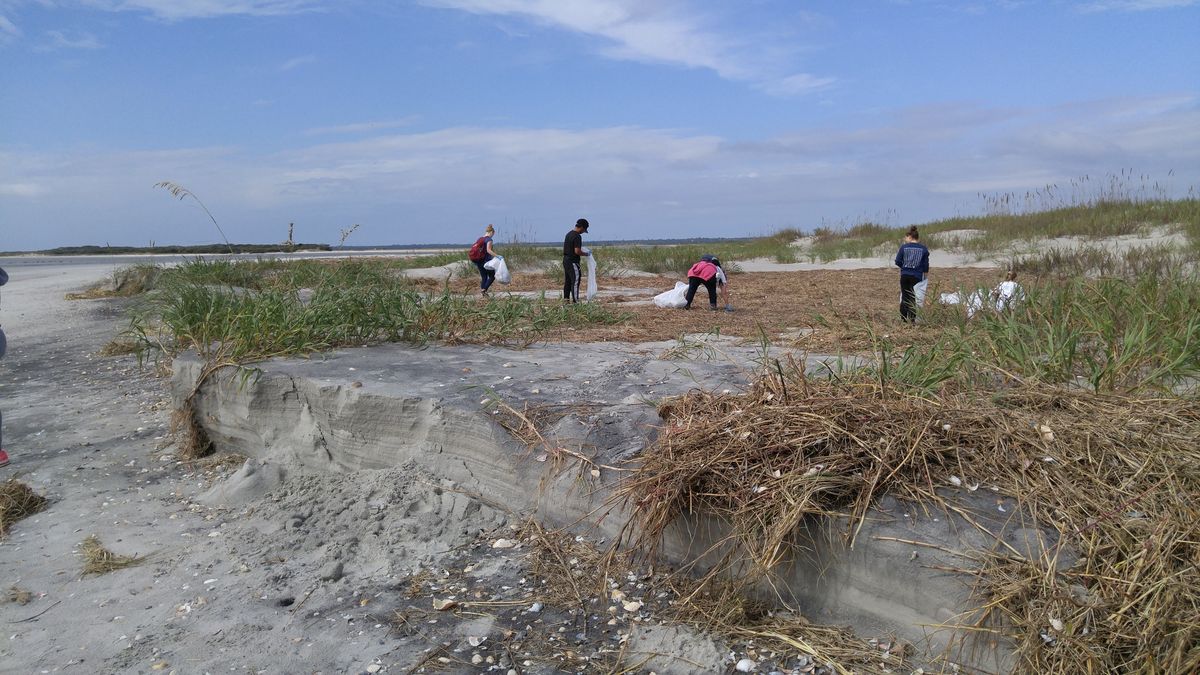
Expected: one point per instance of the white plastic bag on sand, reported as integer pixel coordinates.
(674, 298)
(974, 303)
(591, 284)
(920, 289)
(498, 265)
(950, 298)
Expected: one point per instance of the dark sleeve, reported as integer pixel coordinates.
(925, 260)
(3, 276)
(898, 252)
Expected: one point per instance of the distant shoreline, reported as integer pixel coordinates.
(171, 250)
(204, 249)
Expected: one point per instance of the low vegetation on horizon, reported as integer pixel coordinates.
(197, 249)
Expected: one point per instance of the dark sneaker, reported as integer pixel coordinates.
(712, 308)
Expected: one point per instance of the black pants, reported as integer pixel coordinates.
(908, 298)
(486, 276)
(571, 276)
(694, 283)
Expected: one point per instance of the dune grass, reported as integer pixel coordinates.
(998, 231)
(1106, 335)
(254, 310)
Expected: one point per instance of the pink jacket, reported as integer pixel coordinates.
(703, 269)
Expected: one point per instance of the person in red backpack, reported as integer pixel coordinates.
(708, 273)
(481, 252)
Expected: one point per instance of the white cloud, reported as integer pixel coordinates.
(801, 83)
(175, 10)
(362, 127)
(22, 190)
(660, 32)
(56, 40)
(8, 30)
(294, 63)
(1135, 5)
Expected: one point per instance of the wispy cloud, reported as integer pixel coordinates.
(176, 10)
(362, 127)
(660, 32)
(56, 40)
(22, 189)
(8, 30)
(1135, 5)
(794, 85)
(294, 63)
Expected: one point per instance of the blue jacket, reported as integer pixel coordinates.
(913, 260)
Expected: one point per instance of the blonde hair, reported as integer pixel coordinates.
(490, 230)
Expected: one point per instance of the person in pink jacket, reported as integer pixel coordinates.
(708, 272)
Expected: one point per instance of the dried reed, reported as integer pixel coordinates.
(190, 440)
(1118, 476)
(17, 500)
(99, 560)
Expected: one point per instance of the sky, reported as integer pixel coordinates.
(422, 121)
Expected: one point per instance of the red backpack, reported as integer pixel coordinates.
(478, 250)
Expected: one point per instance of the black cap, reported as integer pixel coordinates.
(582, 224)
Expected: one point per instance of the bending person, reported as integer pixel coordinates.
(708, 272)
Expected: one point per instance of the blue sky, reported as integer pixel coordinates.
(423, 121)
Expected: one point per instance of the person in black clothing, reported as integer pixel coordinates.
(913, 261)
(572, 250)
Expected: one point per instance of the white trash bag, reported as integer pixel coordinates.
(500, 267)
(591, 282)
(974, 303)
(674, 298)
(950, 299)
(920, 289)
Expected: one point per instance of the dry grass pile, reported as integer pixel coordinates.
(17, 500)
(190, 440)
(577, 574)
(726, 609)
(530, 426)
(119, 346)
(1117, 476)
(99, 560)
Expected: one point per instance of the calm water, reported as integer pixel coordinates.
(132, 259)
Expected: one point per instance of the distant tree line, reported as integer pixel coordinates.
(178, 250)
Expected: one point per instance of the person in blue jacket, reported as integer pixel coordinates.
(913, 261)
